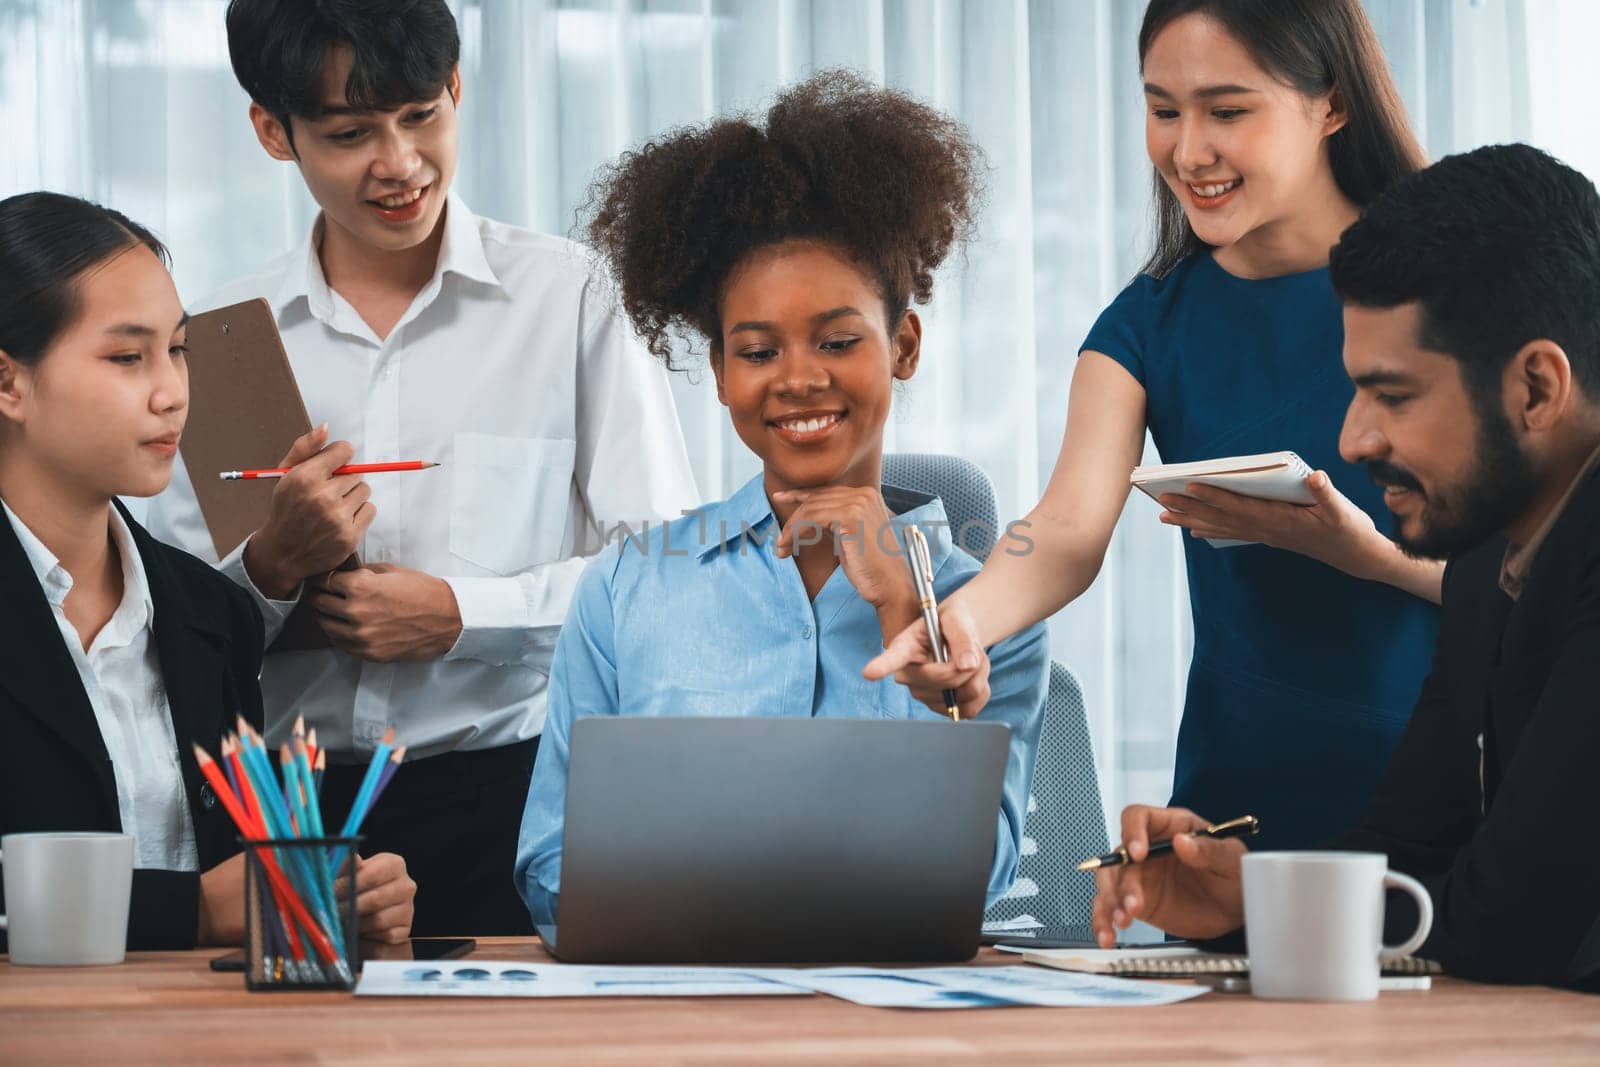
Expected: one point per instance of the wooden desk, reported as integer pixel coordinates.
(170, 1008)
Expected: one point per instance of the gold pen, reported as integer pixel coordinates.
(1243, 826)
(921, 561)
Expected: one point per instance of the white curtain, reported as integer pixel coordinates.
(131, 102)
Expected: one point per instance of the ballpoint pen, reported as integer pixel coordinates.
(1243, 826)
(922, 577)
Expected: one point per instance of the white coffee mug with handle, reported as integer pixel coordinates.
(1314, 923)
(67, 897)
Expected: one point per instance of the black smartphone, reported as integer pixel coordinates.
(418, 948)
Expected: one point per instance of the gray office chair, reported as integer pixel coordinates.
(967, 493)
(1065, 820)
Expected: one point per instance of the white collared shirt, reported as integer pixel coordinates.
(514, 370)
(122, 677)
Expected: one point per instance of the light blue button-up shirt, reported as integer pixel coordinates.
(702, 618)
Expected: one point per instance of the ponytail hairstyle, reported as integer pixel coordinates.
(47, 241)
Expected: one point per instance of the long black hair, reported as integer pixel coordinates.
(1317, 47)
(46, 241)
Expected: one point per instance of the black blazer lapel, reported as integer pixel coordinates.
(190, 652)
(37, 669)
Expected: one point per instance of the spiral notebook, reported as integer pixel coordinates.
(1269, 476)
(1176, 962)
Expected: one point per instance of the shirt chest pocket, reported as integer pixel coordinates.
(508, 499)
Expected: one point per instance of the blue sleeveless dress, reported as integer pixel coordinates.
(1303, 677)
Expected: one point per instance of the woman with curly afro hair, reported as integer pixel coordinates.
(793, 250)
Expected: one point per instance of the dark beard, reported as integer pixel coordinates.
(1500, 487)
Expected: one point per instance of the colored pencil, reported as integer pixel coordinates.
(363, 801)
(396, 758)
(277, 822)
(308, 788)
(297, 735)
(278, 932)
(219, 785)
(369, 782)
(253, 808)
(232, 771)
(274, 806)
(283, 811)
(247, 793)
(320, 876)
(261, 823)
(351, 468)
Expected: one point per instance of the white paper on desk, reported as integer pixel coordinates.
(472, 978)
(986, 987)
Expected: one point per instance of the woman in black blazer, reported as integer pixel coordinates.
(93, 398)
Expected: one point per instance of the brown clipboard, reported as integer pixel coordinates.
(245, 412)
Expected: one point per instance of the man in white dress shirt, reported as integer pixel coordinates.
(417, 330)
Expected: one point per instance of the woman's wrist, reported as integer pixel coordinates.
(967, 601)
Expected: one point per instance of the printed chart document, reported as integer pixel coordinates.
(466, 978)
(987, 987)
(910, 987)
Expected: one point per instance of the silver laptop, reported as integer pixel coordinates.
(701, 840)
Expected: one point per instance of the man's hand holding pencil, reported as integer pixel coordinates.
(317, 519)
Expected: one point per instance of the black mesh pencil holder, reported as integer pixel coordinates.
(298, 934)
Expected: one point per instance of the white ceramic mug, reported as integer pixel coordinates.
(1314, 923)
(67, 897)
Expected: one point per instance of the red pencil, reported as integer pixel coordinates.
(252, 809)
(247, 793)
(219, 784)
(352, 468)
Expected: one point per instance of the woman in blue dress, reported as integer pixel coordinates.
(1270, 124)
